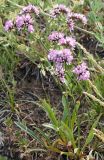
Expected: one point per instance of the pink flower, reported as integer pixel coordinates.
(60, 72)
(81, 17)
(55, 36)
(67, 56)
(36, 10)
(20, 22)
(70, 23)
(82, 71)
(30, 8)
(59, 8)
(60, 56)
(30, 28)
(28, 19)
(25, 21)
(68, 41)
(55, 56)
(84, 76)
(71, 41)
(71, 16)
(8, 25)
(62, 41)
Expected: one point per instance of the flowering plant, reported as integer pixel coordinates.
(66, 44)
(67, 143)
(24, 19)
(60, 48)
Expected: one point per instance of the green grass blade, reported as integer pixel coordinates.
(74, 115)
(66, 114)
(91, 133)
(68, 133)
(43, 134)
(51, 114)
(79, 132)
(50, 126)
(30, 132)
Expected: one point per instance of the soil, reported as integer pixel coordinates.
(29, 87)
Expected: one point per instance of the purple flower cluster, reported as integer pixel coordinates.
(70, 23)
(30, 9)
(59, 57)
(59, 8)
(24, 19)
(8, 25)
(55, 36)
(60, 71)
(62, 39)
(82, 71)
(69, 41)
(71, 17)
(74, 16)
(80, 17)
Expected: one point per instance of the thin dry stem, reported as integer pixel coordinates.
(91, 58)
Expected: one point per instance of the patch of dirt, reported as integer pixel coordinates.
(30, 88)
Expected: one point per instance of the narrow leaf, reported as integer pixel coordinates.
(91, 133)
(30, 132)
(74, 115)
(42, 134)
(69, 134)
(50, 126)
(51, 114)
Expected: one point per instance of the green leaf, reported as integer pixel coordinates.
(74, 115)
(30, 132)
(64, 101)
(69, 134)
(50, 126)
(51, 114)
(91, 133)
(43, 134)
(66, 116)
